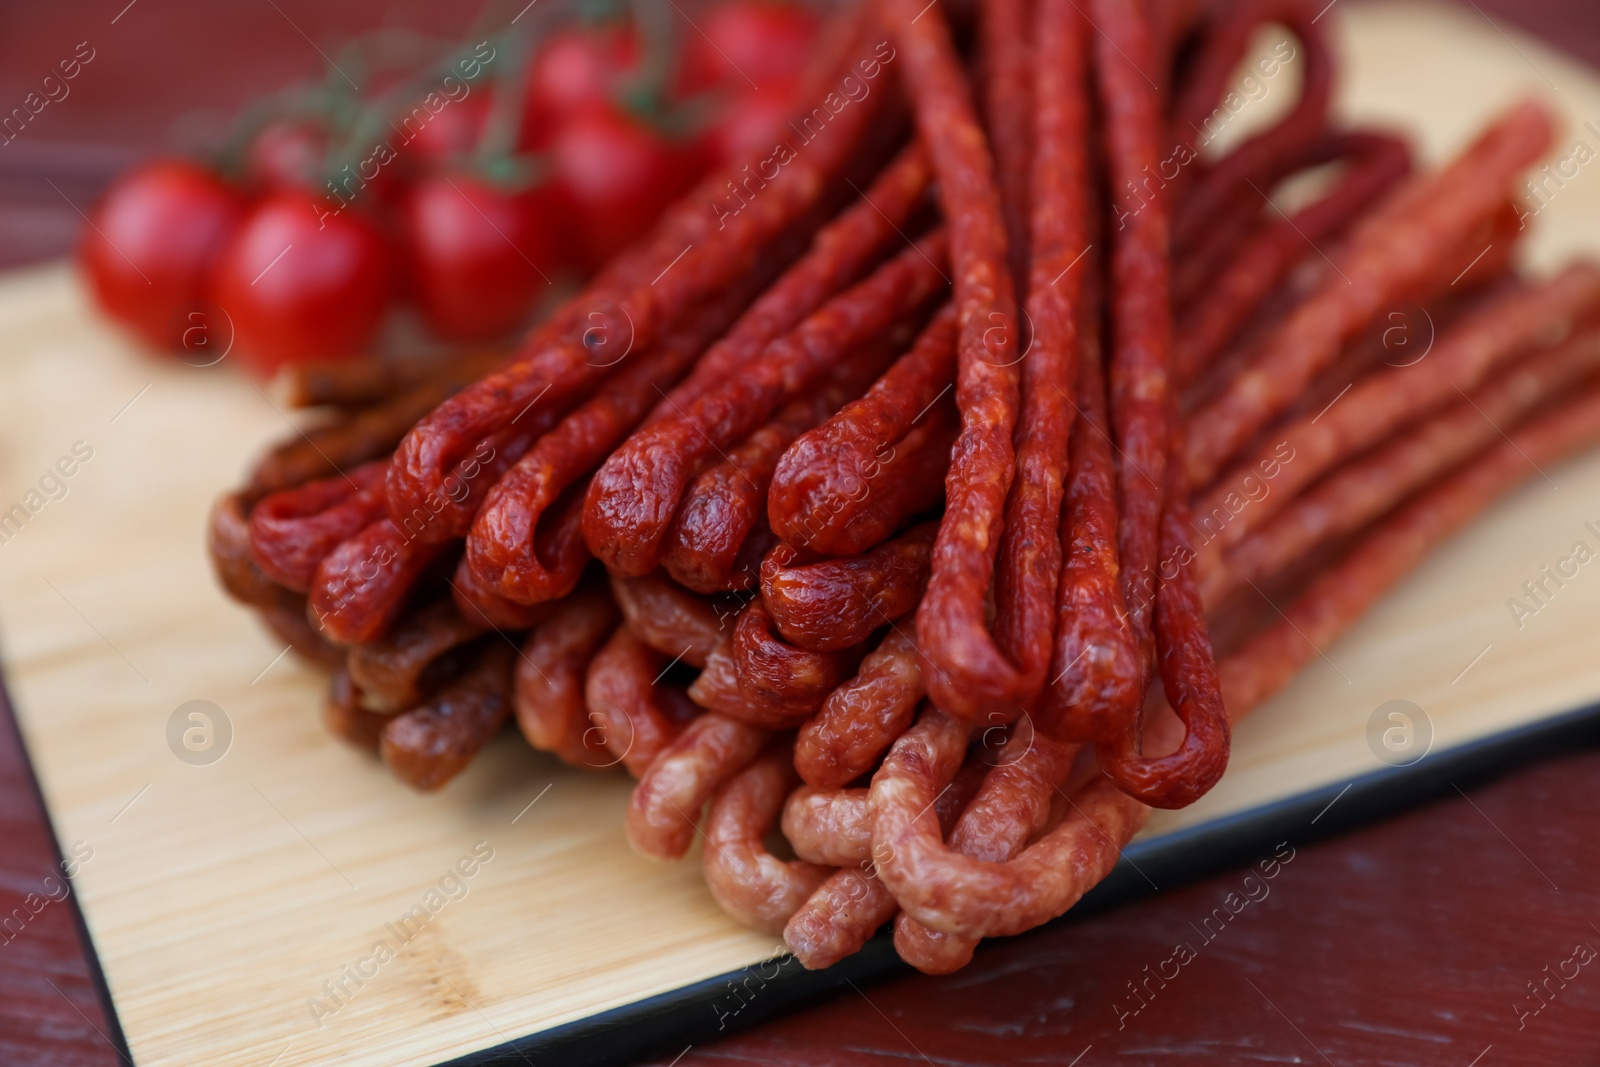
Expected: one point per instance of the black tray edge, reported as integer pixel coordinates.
(670, 1023)
(115, 1037)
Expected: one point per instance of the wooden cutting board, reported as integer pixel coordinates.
(289, 903)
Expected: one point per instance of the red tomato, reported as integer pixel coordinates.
(479, 256)
(287, 154)
(298, 282)
(151, 242)
(748, 43)
(576, 69)
(618, 173)
(751, 124)
(451, 131)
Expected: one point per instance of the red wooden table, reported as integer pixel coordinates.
(1464, 933)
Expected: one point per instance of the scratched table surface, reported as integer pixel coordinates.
(1462, 932)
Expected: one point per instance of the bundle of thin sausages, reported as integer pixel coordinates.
(940, 486)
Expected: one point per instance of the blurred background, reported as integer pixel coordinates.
(491, 154)
(165, 76)
(172, 74)
(181, 76)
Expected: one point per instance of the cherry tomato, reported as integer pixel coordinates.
(749, 43)
(576, 69)
(152, 240)
(752, 123)
(619, 173)
(287, 154)
(441, 135)
(479, 255)
(302, 280)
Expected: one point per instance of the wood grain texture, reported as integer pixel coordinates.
(49, 1008)
(267, 838)
(224, 898)
(1406, 944)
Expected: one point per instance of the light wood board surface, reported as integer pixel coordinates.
(224, 899)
